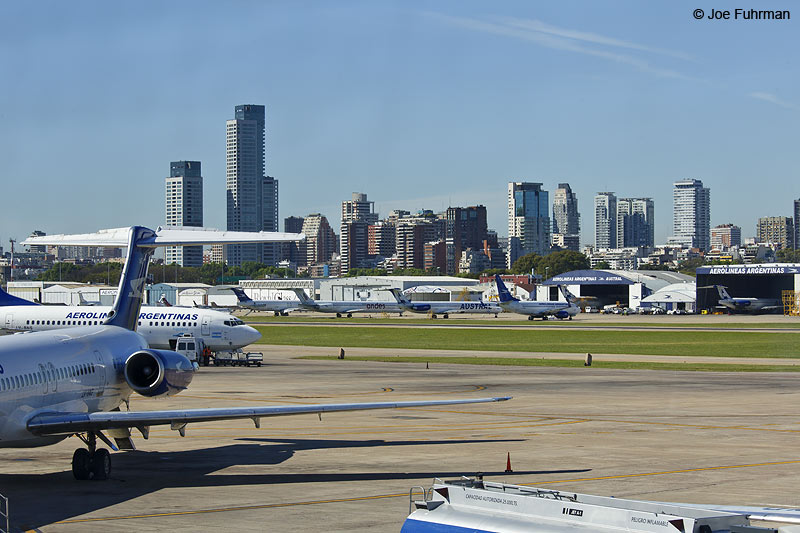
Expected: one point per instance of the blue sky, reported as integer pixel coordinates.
(418, 104)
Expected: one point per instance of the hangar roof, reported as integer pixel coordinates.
(653, 279)
(751, 269)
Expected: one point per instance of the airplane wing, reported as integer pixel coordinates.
(69, 423)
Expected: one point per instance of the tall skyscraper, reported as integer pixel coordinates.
(252, 196)
(725, 236)
(528, 220)
(605, 220)
(357, 215)
(691, 214)
(566, 218)
(776, 230)
(797, 223)
(184, 203)
(635, 223)
(293, 224)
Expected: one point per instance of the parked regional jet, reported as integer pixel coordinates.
(534, 309)
(446, 308)
(160, 326)
(746, 305)
(343, 307)
(279, 307)
(73, 381)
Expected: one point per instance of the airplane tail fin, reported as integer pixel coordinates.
(723, 293)
(301, 295)
(568, 296)
(398, 295)
(163, 301)
(7, 299)
(241, 295)
(502, 291)
(141, 243)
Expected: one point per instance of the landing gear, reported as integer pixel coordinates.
(530, 317)
(91, 463)
(349, 315)
(445, 315)
(338, 315)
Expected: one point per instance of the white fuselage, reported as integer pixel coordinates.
(533, 308)
(346, 307)
(75, 370)
(158, 325)
(748, 305)
(452, 308)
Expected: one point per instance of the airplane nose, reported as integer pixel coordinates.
(252, 335)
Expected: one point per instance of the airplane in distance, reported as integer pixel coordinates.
(73, 380)
(344, 307)
(744, 304)
(446, 308)
(278, 307)
(533, 309)
(160, 326)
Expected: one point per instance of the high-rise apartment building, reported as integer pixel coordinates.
(381, 239)
(293, 224)
(691, 214)
(252, 196)
(465, 228)
(635, 223)
(321, 242)
(776, 230)
(725, 236)
(797, 223)
(184, 206)
(566, 218)
(605, 220)
(357, 215)
(528, 220)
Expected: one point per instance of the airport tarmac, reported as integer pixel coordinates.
(669, 436)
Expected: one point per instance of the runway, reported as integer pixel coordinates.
(679, 436)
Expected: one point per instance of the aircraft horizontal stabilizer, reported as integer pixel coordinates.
(70, 423)
(164, 236)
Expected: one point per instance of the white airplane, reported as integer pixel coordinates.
(747, 305)
(533, 309)
(160, 326)
(279, 307)
(446, 308)
(73, 381)
(341, 307)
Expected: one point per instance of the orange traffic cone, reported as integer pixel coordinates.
(508, 463)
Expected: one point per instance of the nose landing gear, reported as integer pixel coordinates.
(91, 462)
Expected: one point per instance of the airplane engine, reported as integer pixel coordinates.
(561, 314)
(158, 372)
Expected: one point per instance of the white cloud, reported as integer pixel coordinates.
(771, 98)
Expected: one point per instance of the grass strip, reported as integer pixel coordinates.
(569, 363)
(676, 343)
(666, 323)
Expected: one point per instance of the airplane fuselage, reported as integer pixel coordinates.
(159, 325)
(75, 370)
(533, 308)
(748, 305)
(451, 308)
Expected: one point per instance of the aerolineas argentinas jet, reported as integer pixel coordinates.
(72, 381)
(160, 326)
(534, 309)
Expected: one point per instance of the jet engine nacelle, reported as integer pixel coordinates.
(158, 372)
(562, 314)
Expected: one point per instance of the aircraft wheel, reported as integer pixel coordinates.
(570, 317)
(530, 317)
(81, 464)
(101, 464)
(349, 315)
(276, 313)
(433, 316)
(338, 315)
(445, 315)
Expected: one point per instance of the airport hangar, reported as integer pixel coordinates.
(597, 288)
(764, 280)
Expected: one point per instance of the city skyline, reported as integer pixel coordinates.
(389, 119)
